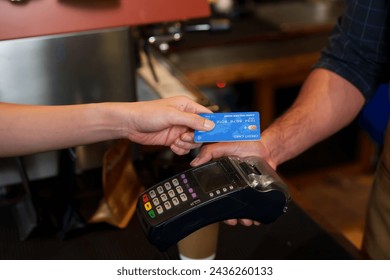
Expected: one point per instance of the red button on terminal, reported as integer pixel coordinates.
(145, 198)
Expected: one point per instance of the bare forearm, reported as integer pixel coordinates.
(28, 129)
(325, 104)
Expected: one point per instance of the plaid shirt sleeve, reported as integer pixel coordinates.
(359, 46)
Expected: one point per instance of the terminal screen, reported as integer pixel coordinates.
(211, 177)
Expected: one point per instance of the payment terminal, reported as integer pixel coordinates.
(225, 188)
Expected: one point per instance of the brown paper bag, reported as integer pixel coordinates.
(121, 187)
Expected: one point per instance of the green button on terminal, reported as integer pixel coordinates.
(152, 214)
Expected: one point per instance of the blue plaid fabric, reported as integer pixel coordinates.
(359, 46)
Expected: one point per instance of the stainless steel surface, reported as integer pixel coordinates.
(74, 68)
(67, 69)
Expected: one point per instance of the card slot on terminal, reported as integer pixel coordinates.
(248, 169)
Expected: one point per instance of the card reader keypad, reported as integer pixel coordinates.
(168, 195)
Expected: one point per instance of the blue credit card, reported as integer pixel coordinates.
(233, 126)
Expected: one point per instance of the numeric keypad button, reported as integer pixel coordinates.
(159, 209)
(156, 201)
(167, 205)
(175, 182)
(160, 189)
(152, 193)
(179, 189)
(175, 201)
(183, 197)
(164, 197)
(167, 186)
(171, 193)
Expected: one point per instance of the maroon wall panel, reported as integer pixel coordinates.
(44, 17)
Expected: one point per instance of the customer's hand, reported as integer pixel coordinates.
(28, 129)
(165, 122)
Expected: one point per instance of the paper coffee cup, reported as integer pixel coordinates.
(200, 245)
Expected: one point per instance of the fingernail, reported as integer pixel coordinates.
(194, 161)
(178, 142)
(187, 138)
(208, 124)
